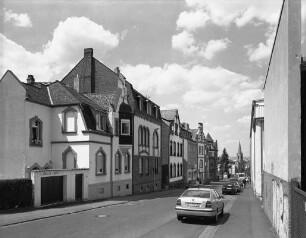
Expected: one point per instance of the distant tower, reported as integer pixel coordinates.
(239, 154)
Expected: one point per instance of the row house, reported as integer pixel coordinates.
(190, 156)
(212, 154)
(147, 164)
(175, 148)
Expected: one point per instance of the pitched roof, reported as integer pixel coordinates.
(106, 99)
(37, 92)
(169, 115)
(209, 138)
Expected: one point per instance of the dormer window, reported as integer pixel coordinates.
(139, 103)
(69, 116)
(35, 131)
(125, 127)
(145, 105)
(101, 122)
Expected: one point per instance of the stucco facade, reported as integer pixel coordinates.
(282, 154)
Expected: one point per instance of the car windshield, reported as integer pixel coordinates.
(196, 193)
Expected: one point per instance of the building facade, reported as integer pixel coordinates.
(257, 145)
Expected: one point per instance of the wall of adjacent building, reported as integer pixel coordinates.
(12, 128)
(282, 118)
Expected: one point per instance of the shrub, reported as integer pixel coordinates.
(15, 193)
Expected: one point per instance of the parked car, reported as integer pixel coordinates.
(238, 183)
(199, 202)
(229, 188)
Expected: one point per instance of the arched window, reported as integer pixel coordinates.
(148, 137)
(127, 163)
(201, 164)
(178, 170)
(69, 158)
(144, 136)
(174, 170)
(155, 139)
(170, 170)
(140, 135)
(69, 120)
(174, 148)
(100, 162)
(118, 163)
(35, 131)
(181, 169)
(170, 147)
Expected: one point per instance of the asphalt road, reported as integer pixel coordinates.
(147, 216)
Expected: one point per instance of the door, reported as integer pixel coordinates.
(51, 190)
(78, 186)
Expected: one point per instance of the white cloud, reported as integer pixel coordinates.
(184, 42)
(196, 86)
(245, 120)
(262, 51)
(192, 20)
(19, 20)
(214, 46)
(60, 53)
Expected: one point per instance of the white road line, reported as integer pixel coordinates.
(210, 231)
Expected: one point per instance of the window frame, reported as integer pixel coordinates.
(64, 120)
(127, 162)
(128, 122)
(140, 166)
(103, 163)
(119, 171)
(39, 141)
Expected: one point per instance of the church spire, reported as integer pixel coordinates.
(239, 148)
(239, 154)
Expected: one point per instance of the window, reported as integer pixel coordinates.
(181, 169)
(201, 164)
(101, 122)
(117, 127)
(140, 135)
(170, 170)
(69, 158)
(178, 149)
(35, 131)
(144, 131)
(181, 149)
(127, 163)
(176, 127)
(174, 170)
(118, 163)
(178, 169)
(145, 106)
(127, 186)
(174, 148)
(69, 117)
(118, 188)
(147, 166)
(155, 139)
(170, 147)
(125, 127)
(140, 165)
(139, 103)
(148, 137)
(100, 162)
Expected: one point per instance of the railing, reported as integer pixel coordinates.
(298, 212)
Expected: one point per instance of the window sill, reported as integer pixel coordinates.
(69, 132)
(100, 174)
(36, 145)
(118, 173)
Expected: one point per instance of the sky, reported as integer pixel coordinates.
(208, 59)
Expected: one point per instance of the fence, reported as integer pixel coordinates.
(298, 215)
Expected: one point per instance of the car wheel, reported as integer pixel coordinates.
(179, 217)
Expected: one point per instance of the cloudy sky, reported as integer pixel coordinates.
(206, 58)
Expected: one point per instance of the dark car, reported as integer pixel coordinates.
(229, 188)
(239, 184)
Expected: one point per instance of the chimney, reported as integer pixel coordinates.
(88, 53)
(76, 83)
(200, 127)
(187, 126)
(117, 70)
(30, 79)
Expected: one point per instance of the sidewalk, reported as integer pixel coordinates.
(31, 214)
(246, 219)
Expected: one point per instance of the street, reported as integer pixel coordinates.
(151, 216)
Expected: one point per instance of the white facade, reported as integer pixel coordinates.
(257, 145)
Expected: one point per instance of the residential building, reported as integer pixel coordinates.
(175, 148)
(190, 154)
(212, 160)
(108, 89)
(257, 145)
(147, 163)
(51, 135)
(165, 153)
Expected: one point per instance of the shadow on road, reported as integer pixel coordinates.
(207, 221)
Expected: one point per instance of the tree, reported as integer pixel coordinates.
(224, 162)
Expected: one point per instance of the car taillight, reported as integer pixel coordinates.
(178, 202)
(208, 204)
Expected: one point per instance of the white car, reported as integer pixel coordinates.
(199, 202)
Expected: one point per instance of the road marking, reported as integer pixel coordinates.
(210, 231)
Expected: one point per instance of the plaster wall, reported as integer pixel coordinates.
(38, 154)
(282, 97)
(258, 158)
(12, 129)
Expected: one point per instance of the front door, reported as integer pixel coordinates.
(78, 186)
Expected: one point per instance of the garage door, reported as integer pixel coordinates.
(51, 190)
